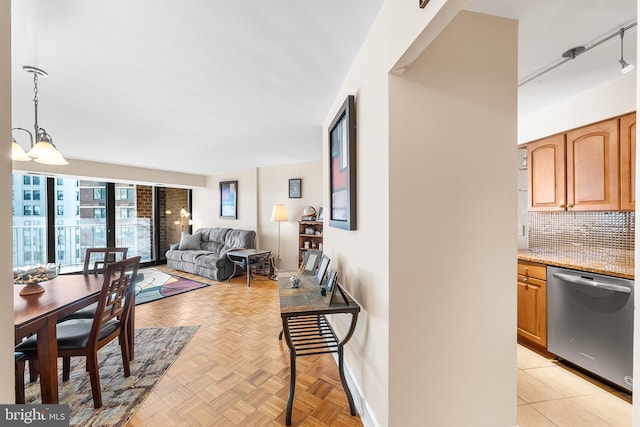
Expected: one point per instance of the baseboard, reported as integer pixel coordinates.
(362, 407)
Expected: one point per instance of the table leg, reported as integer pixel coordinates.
(343, 379)
(48, 362)
(292, 386)
(248, 268)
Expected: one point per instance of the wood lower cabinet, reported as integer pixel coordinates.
(628, 162)
(532, 302)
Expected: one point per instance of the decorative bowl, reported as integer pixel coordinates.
(31, 277)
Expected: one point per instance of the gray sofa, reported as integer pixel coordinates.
(204, 252)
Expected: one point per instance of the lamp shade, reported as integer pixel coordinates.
(279, 213)
(17, 152)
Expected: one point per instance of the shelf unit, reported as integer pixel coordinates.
(309, 233)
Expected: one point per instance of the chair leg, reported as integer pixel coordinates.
(20, 382)
(66, 368)
(124, 349)
(33, 371)
(94, 376)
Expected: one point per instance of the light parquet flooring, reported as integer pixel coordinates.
(235, 371)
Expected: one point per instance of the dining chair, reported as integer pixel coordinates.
(100, 257)
(84, 337)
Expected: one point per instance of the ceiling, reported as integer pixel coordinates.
(206, 86)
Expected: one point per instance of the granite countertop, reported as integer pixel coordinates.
(614, 264)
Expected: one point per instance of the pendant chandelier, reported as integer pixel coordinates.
(44, 150)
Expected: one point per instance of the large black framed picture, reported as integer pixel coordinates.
(229, 199)
(342, 167)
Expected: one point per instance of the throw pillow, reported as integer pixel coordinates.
(189, 242)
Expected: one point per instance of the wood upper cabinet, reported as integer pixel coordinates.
(592, 167)
(546, 158)
(532, 302)
(627, 162)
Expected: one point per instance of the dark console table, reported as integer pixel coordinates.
(307, 331)
(245, 258)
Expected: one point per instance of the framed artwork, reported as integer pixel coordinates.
(229, 199)
(295, 188)
(342, 167)
(320, 214)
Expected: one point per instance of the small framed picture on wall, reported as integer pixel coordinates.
(295, 188)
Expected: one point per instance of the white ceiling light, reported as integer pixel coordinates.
(44, 151)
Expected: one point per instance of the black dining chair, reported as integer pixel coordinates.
(84, 337)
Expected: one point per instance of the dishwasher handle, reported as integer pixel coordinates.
(600, 285)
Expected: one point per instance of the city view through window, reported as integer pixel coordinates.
(80, 211)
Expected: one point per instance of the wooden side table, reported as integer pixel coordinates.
(307, 331)
(245, 258)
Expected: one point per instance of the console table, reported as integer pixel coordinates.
(307, 331)
(244, 258)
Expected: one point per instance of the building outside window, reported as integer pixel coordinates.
(26, 195)
(37, 210)
(27, 210)
(60, 195)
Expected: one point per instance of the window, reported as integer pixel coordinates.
(26, 210)
(99, 194)
(26, 180)
(36, 194)
(61, 239)
(99, 213)
(60, 256)
(60, 210)
(77, 196)
(36, 180)
(60, 194)
(26, 195)
(37, 210)
(78, 210)
(59, 181)
(127, 213)
(125, 194)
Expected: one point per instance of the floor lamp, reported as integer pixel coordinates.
(278, 214)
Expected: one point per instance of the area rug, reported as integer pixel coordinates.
(155, 350)
(155, 284)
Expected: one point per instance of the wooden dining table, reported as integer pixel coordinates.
(39, 313)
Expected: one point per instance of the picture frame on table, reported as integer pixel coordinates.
(322, 269)
(295, 188)
(342, 167)
(330, 286)
(309, 263)
(229, 199)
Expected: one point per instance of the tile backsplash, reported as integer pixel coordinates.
(587, 235)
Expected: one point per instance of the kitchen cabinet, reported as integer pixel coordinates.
(627, 162)
(532, 302)
(309, 237)
(546, 158)
(592, 167)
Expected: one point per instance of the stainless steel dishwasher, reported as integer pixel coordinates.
(590, 322)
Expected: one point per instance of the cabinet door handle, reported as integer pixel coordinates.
(562, 206)
(571, 205)
(525, 279)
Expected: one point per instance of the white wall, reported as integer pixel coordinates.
(206, 201)
(452, 269)
(6, 255)
(258, 190)
(402, 353)
(273, 188)
(609, 100)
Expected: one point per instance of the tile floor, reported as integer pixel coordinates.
(553, 394)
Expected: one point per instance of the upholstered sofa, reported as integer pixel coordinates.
(204, 252)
